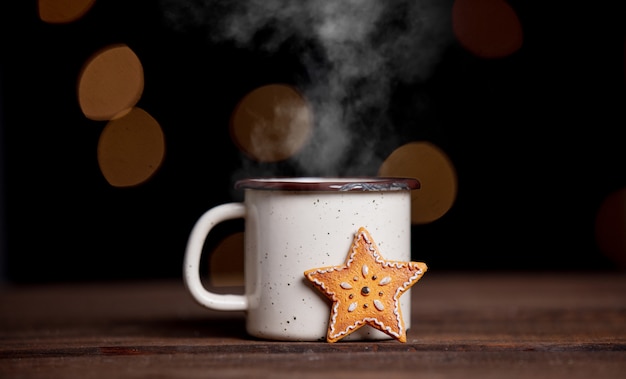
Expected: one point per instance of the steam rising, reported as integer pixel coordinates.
(359, 49)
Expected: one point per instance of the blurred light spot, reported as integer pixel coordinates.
(432, 167)
(131, 149)
(271, 123)
(110, 83)
(63, 11)
(226, 262)
(487, 28)
(610, 228)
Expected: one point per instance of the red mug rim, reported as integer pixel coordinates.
(340, 184)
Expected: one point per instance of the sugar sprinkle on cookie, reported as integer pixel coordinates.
(366, 290)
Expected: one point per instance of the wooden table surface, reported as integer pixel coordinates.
(465, 325)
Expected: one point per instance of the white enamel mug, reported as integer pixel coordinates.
(295, 224)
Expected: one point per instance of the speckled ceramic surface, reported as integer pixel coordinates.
(292, 225)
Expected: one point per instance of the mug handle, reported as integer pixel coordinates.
(191, 270)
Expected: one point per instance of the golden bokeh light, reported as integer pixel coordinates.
(110, 83)
(226, 262)
(610, 227)
(487, 28)
(131, 149)
(436, 173)
(271, 123)
(63, 11)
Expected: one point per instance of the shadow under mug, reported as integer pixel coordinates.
(295, 224)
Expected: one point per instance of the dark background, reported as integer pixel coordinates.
(536, 139)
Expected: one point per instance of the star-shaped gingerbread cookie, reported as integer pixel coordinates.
(366, 290)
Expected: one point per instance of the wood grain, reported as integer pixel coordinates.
(487, 325)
